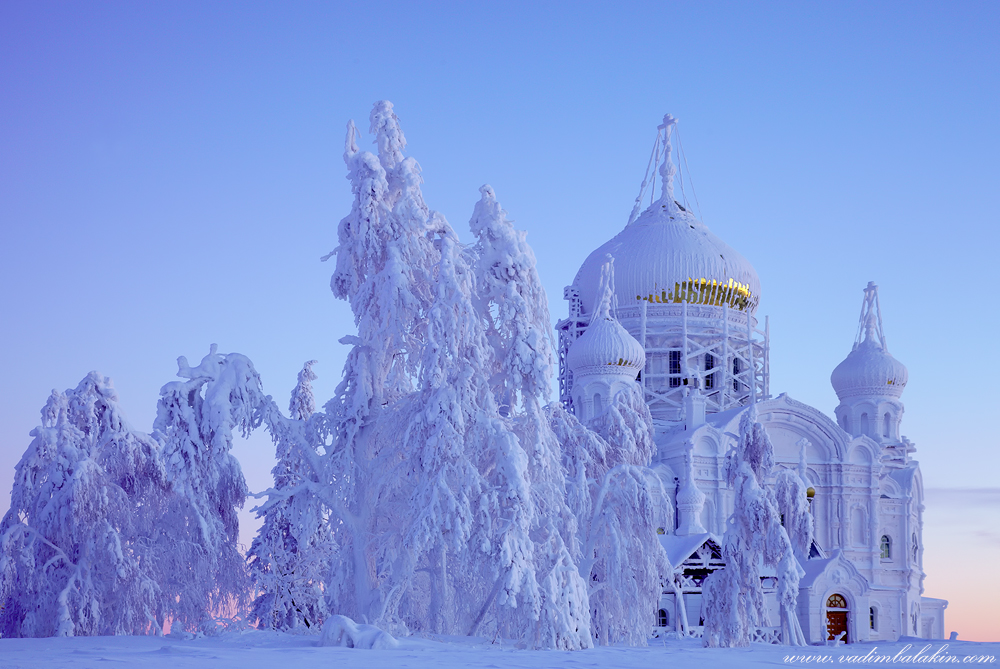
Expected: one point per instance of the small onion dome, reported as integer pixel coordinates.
(869, 370)
(606, 347)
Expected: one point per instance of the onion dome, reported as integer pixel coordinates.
(668, 256)
(869, 370)
(606, 347)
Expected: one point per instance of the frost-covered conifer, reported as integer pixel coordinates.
(198, 557)
(290, 556)
(733, 596)
(75, 559)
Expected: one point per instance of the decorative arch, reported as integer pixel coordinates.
(859, 526)
(828, 441)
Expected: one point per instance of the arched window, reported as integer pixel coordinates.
(598, 404)
(885, 547)
(885, 424)
(847, 423)
(873, 618)
(864, 423)
(662, 619)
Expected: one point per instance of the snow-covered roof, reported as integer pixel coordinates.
(681, 548)
(670, 256)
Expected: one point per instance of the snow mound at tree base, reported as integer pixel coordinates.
(342, 631)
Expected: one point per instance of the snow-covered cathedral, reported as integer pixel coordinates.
(684, 326)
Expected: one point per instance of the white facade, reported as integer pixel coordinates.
(689, 302)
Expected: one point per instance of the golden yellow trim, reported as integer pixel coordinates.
(704, 291)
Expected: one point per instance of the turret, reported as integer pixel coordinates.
(606, 358)
(869, 382)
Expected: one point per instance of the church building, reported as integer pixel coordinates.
(685, 328)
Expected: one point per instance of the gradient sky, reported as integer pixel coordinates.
(171, 173)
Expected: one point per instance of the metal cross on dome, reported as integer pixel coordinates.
(871, 318)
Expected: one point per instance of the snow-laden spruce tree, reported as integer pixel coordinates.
(617, 499)
(540, 534)
(290, 557)
(197, 555)
(74, 555)
(754, 537)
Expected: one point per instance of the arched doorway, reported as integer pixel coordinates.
(836, 618)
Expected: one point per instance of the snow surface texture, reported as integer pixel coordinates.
(267, 649)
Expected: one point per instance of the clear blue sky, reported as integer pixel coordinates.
(170, 174)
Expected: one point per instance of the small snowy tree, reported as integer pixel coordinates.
(198, 557)
(792, 504)
(733, 596)
(290, 556)
(74, 559)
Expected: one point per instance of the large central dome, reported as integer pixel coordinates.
(667, 255)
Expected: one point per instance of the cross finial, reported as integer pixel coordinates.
(667, 170)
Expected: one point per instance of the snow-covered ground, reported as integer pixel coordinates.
(246, 650)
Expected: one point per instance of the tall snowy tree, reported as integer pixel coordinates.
(513, 303)
(386, 262)
(198, 554)
(290, 557)
(754, 537)
(74, 555)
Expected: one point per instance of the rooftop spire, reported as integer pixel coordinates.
(667, 170)
(870, 322)
(605, 293)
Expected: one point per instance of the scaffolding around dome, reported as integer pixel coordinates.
(714, 348)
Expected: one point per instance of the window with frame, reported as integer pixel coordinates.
(885, 547)
(674, 369)
(886, 423)
(737, 368)
(709, 366)
(662, 619)
(873, 619)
